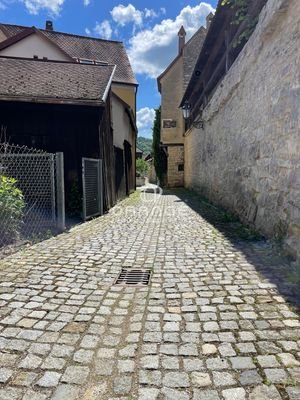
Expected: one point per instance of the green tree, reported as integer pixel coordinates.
(141, 167)
(158, 153)
(144, 144)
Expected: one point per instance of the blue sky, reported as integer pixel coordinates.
(147, 28)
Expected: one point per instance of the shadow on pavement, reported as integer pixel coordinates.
(261, 253)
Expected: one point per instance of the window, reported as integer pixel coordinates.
(86, 61)
(180, 167)
(169, 123)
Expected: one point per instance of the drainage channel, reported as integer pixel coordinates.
(134, 277)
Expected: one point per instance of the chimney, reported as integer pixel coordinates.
(181, 39)
(208, 20)
(49, 25)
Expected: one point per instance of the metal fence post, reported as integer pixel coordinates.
(52, 175)
(101, 187)
(60, 189)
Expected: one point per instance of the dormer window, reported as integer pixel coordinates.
(36, 57)
(90, 62)
(85, 61)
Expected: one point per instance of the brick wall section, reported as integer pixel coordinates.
(247, 158)
(175, 158)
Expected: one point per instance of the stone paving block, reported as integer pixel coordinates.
(75, 375)
(176, 380)
(64, 392)
(49, 379)
(217, 363)
(293, 392)
(222, 378)
(31, 362)
(200, 379)
(242, 363)
(10, 393)
(264, 392)
(151, 378)
(276, 375)
(24, 378)
(200, 394)
(234, 394)
(250, 377)
(104, 367)
(122, 385)
(148, 394)
(173, 394)
(33, 395)
(5, 374)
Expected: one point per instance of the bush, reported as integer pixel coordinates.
(141, 167)
(11, 210)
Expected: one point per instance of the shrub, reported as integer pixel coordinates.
(11, 209)
(141, 167)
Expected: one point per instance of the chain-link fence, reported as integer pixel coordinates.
(27, 192)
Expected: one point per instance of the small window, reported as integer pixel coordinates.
(169, 123)
(86, 61)
(180, 167)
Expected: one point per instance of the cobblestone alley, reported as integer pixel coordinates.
(214, 322)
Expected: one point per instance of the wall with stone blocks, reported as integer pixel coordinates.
(247, 158)
(175, 159)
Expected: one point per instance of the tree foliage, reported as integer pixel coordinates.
(142, 167)
(158, 153)
(145, 144)
(241, 8)
(11, 209)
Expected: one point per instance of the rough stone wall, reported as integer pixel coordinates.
(247, 158)
(175, 159)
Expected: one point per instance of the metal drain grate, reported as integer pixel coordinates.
(134, 277)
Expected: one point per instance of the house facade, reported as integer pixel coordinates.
(171, 85)
(49, 46)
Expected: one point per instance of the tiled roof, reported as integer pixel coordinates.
(76, 46)
(47, 81)
(191, 53)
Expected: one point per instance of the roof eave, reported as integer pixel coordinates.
(108, 86)
(51, 100)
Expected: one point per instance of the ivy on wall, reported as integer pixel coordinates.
(241, 15)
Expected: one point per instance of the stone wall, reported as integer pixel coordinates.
(171, 95)
(247, 158)
(175, 166)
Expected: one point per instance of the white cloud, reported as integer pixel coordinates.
(123, 15)
(88, 31)
(163, 10)
(103, 29)
(149, 13)
(2, 6)
(86, 3)
(151, 50)
(145, 118)
(53, 6)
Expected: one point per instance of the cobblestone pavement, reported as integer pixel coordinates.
(210, 325)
